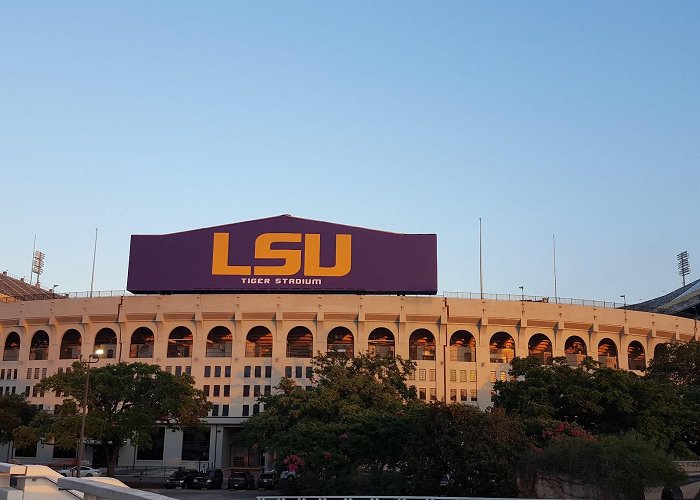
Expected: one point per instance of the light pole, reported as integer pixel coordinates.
(624, 301)
(92, 359)
(522, 293)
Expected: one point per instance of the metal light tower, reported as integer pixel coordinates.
(37, 266)
(683, 265)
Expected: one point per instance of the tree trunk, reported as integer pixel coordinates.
(112, 455)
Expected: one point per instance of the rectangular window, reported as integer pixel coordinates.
(246, 372)
(462, 375)
(492, 376)
(472, 394)
(421, 393)
(256, 391)
(13, 389)
(298, 371)
(15, 373)
(256, 409)
(288, 371)
(258, 371)
(36, 373)
(412, 375)
(431, 373)
(227, 391)
(207, 371)
(168, 369)
(227, 371)
(35, 391)
(472, 376)
(29, 373)
(224, 410)
(215, 411)
(268, 390)
(246, 410)
(217, 390)
(433, 394)
(309, 372)
(43, 373)
(453, 395)
(504, 376)
(2, 373)
(453, 375)
(217, 371)
(206, 390)
(188, 370)
(268, 372)
(178, 370)
(463, 395)
(246, 391)
(26, 391)
(421, 374)
(60, 370)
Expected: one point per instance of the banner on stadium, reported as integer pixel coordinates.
(283, 254)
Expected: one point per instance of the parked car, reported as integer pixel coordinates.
(241, 481)
(85, 471)
(267, 481)
(211, 480)
(182, 478)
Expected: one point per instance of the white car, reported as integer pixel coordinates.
(85, 471)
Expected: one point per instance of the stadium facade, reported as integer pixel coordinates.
(238, 338)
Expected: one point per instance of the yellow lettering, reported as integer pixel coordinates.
(219, 261)
(292, 258)
(312, 256)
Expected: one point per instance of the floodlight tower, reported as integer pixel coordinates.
(683, 265)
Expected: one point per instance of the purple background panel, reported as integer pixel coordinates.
(382, 262)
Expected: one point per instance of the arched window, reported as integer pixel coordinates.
(462, 346)
(501, 348)
(660, 349)
(70, 344)
(141, 343)
(219, 342)
(635, 356)
(421, 345)
(12, 343)
(341, 340)
(540, 347)
(575, 350)
(607, 353)
(381, 342)
(180, 343)
(39, 348)
(258, 343)
(106, 340)
(300, 343)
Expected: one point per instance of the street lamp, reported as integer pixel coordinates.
(624, 301)
(92, 359)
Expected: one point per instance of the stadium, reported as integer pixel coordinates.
(241, 306)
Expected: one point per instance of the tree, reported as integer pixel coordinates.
(15, 411)
(351, 420)
(126, 402)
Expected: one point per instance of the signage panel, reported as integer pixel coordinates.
(283, 254)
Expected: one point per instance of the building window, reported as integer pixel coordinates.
(215, 411)
(504, 376)
(36, 373)
(453, 375)
(246, 410)
(421, 393)
(268, 372)
(246, 391)
(178, 370)
(256, 409)
(246, 371)
(472, 394)
(29, 373)
(224, 410)
(206, 390)
(431, 373)
(462, 375)
(217, 390)
(227, 371)
(412, 375)
(288, 371)
(258, 371)
(309, 372)
(453, 395)
(188, 370)
(217, 371)
(433, 394)
(168, 369)
(472, 376)
(256, 391)
(207, 371)
(268, 390)
(298, 371)
(492, 376)
(421, 374)
(463, 395)
(227, 391)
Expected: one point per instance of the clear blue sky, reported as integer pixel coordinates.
(575, 118)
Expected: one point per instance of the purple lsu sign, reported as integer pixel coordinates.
(283, 254)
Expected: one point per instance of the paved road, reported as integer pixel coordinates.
(212, 494)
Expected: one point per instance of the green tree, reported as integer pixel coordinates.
(15, 411)
(352, 419)
(126, 402)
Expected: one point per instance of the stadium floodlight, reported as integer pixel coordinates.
(683, 265)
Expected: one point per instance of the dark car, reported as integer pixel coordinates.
(182, 478)
(267, 481)
(211, 480)
(241, 481)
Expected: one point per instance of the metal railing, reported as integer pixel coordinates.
(516, 297)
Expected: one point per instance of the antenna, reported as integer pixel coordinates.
(481, 264)
(683, 265)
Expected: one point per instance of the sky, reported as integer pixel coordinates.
(575, 119)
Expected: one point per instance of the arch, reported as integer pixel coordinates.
(501, 348)
(607, 353)
(636, 358)
(421, 345)
(341, 341)
(575, 350)
(219, 342)
(141, 343)
(106, 339)
(300, 343)
(381, 342)
(462, 346)
(71, 344)
(258, 343)
(12, 345)
(540, 347)
(39, 348)
(180, 343)
(660, 349)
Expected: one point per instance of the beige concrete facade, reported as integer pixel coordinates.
(444, 376)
